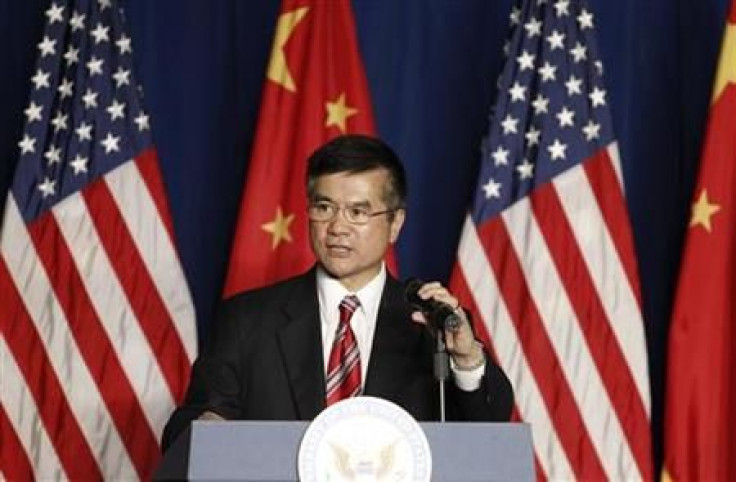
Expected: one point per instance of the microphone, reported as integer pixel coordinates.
(440, 315)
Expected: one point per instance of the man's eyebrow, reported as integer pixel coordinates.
(355, 204)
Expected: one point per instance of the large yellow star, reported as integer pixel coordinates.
(338, 113)
(702, 211)
(278, 70)
(279, 228)
(727, 64)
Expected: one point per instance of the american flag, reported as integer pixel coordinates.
(546, 257)
(98, 328)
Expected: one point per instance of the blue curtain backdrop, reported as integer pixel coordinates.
(432, 66)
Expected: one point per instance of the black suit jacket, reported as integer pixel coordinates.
(265, 362)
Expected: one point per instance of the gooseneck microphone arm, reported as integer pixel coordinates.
(440, 317)
(441, 369)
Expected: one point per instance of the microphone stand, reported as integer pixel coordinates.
(441, 368)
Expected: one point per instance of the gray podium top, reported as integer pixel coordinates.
(267, 451)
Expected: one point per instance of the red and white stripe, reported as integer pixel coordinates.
(98, 329)
(553, 285)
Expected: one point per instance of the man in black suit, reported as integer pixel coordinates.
(275, 350)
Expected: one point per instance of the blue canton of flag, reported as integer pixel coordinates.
(546, 259)
(551, 112)
(85, 116)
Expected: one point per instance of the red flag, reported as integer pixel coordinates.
(97, 325)
(700, 407)
(546, 259)
(315, 90)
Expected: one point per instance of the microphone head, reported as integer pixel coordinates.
(439, 315)
(411, 289)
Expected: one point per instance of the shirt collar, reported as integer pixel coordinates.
(331, 292)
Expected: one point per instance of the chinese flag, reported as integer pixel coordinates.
(700, 419)
(315, 90)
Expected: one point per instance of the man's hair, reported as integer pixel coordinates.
(356, 153)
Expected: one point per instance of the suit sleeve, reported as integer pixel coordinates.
(491, 402)
(215, 384)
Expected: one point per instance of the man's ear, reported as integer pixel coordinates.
(396, 224)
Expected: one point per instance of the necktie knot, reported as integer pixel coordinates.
(348, 305)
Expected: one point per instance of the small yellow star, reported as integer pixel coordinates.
(338, 113)
(279, 228)
(727, 64)
(702, 211)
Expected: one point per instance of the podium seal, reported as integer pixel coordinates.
(364, 439)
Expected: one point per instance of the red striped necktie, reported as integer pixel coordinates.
(343, 369)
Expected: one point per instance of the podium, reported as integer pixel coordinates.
(267, 451)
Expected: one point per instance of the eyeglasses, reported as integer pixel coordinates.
(323, 211)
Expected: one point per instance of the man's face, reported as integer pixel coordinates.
(353, 253)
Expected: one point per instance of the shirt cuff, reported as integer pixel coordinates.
(467, 380)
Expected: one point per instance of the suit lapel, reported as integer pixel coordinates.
(395, 333)
(301, 349)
